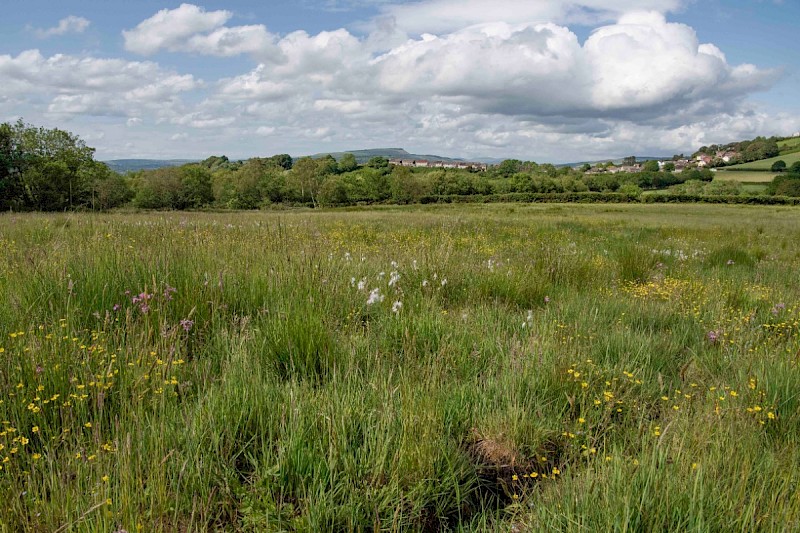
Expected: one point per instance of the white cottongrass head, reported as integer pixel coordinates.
(375, 296)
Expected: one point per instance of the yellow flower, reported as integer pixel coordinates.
(35, 429)
(514, 477)
(36, 456)
(771, 415)
(581, 420)
(105, 479)
(556, 471)
(87, 425)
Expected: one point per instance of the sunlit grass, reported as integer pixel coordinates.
(434, 368)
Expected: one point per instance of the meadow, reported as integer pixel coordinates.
(442, 368)
(789, 145)
(745, 176)
(765, 165)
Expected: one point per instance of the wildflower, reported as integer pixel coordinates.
(187, 324)
(87, 425)
(35, 429)
(375, 296)
(362, 284)
(730, 262)
(444, 282)
(397, 306)
(36, 456)
(556, 471)
(713, 336)
(771, 415)
(394, 277)
(514, 478)
(547, 299)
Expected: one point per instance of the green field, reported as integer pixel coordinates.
(766, 164)
(743, 176)
(442, 368)
(789, 145)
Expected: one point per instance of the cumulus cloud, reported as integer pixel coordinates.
(70, 24)
(496, 86)
(443, 16)
(440, 74)
(189, 28)
(93, 86)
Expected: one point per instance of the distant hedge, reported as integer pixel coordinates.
(607, 197)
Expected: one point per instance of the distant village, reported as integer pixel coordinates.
(680, 164)
(424, 163)
(708, 157)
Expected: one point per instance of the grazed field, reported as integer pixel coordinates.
(541, 368)
(789, 145)
(752, 176)
(766, 164)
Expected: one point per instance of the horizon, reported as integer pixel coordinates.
(578, 80)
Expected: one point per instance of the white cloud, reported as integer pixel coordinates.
(191, 29)
(512, 80)
(70, 24)
(442, 16)
(93, 86)
(170, 29)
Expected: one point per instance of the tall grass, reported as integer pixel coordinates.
(427, 369)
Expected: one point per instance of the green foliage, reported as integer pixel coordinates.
(348, 163)
(378, 162)
(196, 189)
(158, 189)
(778, 166)
(652, 166)
(406, 187)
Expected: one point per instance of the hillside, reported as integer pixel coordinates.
(132, 165)
(764, 165)
(362, 156)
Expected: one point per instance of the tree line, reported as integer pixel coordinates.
(53, 170)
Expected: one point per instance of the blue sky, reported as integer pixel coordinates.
(545, 81)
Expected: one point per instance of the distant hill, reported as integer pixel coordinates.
(362, 156)
(132, 165)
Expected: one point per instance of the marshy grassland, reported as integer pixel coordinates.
(444, 368)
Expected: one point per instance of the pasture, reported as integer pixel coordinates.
(789, 145)
(745, 176)
(441, 368)
(765, 164)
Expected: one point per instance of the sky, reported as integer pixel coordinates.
(539, 80)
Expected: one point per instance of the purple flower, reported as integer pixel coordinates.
(713, 336)
(547, 299)
(187, 324)
(777, 308)
(116, 307)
